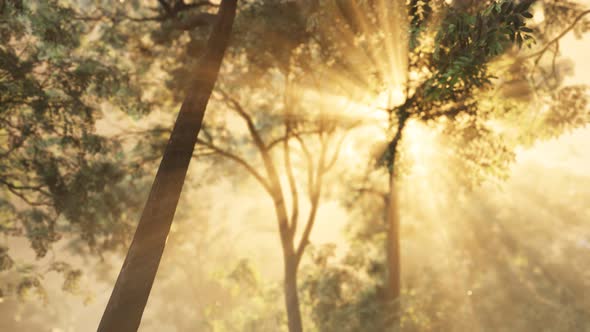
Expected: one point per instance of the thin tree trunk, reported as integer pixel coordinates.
(392, 240)
(131, 291)
(291, 295)
(392, 251)
(290, 265)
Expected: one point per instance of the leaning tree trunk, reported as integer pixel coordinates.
(132, 289)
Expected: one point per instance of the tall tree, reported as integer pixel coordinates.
(450, 63)
(485, 264)
(448, 70)
(131, 291)
(292, 133)
(458, 66)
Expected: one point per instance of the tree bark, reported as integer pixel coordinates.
(290, 265)
(131, 291)
(291, 295)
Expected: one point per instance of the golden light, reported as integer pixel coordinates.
(389, 98)
(414, 75)
(538, 13)
(420, 141)
(396, 96)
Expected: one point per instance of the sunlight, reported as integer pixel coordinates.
(414, 75)
(420, 143)
(362, 165)
(375, 116)
(538, 13)
(392, 97)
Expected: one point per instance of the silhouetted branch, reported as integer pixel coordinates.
(279, 140)
(309, 161)
(236, 106)
(238, 160)
(314, 198)
(555, 40)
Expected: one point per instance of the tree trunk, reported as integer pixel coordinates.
(291, 295)
(290, 265)
(392, 240)
(392, 251)
(131, 291)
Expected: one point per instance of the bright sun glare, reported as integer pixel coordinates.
(420, 143)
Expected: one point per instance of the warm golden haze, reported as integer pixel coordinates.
(336, 165)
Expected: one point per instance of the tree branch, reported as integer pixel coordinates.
(236, 106)
(314, 198)
(238, 160)
(544, 49)
(335, 155)
(275, 189)
(309, 161)
(279, 140)
(170, 12)
(14, 189)
(292, 185)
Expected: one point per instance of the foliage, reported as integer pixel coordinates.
(478, 127)
(465, 44)
(484, 266)
(230, 293)
(58, 175)
(457, 64)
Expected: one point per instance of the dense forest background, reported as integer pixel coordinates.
(337, 131)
